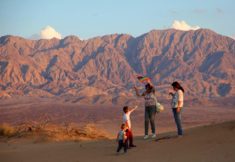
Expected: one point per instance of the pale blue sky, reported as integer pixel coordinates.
(87, 18)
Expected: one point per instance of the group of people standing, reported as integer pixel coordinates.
(125, 135)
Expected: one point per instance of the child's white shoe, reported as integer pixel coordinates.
(146, 137)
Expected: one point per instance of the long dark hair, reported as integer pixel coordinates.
(149, 86)
(177, 85)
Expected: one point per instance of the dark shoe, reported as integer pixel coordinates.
(132, 145)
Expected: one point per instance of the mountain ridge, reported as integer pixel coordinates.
(103, 69)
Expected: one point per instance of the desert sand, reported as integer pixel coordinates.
(205, 138)
(214, 143)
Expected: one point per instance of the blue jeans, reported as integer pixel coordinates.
(150, 112)
(177, 116)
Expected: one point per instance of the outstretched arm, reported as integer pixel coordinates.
(133, 109)
(137, 92)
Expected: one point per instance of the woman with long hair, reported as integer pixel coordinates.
(150, 108)
(177, 105)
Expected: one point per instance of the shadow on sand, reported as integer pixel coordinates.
(166, 138)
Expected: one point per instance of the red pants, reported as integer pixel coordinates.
(129, 137)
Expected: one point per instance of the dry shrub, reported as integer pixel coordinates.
(42, 132)
(70, 131)
(7, 130)
(90, 131)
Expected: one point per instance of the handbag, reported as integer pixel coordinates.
(159, 107)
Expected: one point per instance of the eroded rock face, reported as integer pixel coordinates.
(103, 69)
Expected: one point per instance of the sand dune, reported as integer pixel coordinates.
(214, 143)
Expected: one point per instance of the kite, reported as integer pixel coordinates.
(143, 79)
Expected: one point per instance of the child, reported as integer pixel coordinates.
(122, 138)
(127, 121)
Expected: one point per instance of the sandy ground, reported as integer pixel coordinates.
(207, 143)
(215, 143)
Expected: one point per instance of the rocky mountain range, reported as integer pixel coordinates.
(103, 69)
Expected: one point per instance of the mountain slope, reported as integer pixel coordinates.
(103, 69)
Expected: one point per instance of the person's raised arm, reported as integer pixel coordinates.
(133, 109)
(137, 92)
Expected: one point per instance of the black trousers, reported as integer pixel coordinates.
(121, 145)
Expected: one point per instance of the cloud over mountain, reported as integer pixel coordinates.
(47, 32)
(182, 25)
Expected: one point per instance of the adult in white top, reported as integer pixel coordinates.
(178, 99)
(150, 109)
(177, 105)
